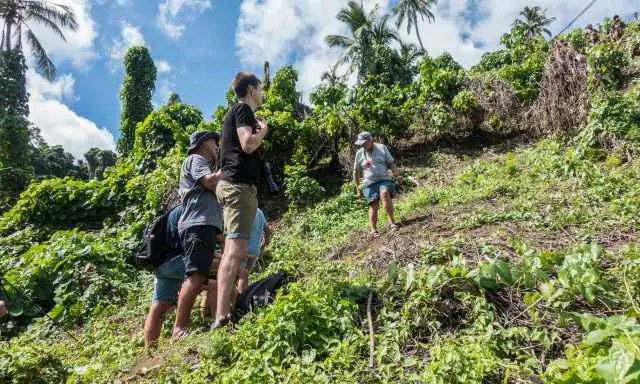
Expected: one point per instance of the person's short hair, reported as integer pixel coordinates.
(242, 82)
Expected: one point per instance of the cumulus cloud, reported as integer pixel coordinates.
(262, 35)
(163, 66)
(465, 28)
(49, 101)
(469, 28)
(79, 49)
(129, 37)
(171, 12)
(164, 88)
(58, 123)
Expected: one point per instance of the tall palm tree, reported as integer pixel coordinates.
(534, 21)
(366, 31)
(19, 16)
(410, 10)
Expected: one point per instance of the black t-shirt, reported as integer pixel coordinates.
(236, 165)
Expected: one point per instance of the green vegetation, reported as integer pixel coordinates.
(516, 262)
(135, 95)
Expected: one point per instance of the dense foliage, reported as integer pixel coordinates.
(515, 263)
(14, 127)
(135, 95)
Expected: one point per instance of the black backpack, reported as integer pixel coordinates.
(259, 294)
(156, 243)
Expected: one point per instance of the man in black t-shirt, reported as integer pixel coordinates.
(241, 168)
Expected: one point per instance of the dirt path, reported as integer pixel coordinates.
(433, 228)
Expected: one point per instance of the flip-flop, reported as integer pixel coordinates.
(393, 227)
(179, 335)
(374, 234)
(221, 323)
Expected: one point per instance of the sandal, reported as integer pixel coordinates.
(179, 334)
(393, 227)
(374, 234)
(220, 323)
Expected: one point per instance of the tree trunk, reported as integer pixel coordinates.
(8, 36)
(420, 39)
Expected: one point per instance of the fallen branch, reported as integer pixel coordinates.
(372, 335)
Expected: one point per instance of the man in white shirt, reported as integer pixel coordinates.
(371, 168)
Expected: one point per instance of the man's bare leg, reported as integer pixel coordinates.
(387, 203)
(235, 251)
(190, 290)
(243, 280)
(373, 215)
(153, 323)
(209, 297)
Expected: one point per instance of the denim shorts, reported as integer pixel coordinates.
(372, 191)
(169, 277)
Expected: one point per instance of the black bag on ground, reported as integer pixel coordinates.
(259, 294)
(156, 243)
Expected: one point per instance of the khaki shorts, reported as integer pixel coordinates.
(239, 202)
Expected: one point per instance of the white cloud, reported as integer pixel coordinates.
(129, 37)
(79, 48)
(163, 66)
(170, 10)
(164, 88)
(446, 33)
(262, 33)
(58, 123)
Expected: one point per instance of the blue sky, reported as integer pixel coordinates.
(198, 46)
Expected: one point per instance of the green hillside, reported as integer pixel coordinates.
(517, 261)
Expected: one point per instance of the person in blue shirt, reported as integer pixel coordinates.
(168, 280)
(258, 240)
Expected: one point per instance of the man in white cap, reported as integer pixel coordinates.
(371, 176)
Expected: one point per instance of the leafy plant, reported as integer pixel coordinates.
(300, 189)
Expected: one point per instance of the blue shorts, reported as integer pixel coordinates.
(372, 192)
(169, 277)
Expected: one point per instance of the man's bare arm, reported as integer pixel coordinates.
(394, 169)
(210, 181)
(356, 180)
(252, 141)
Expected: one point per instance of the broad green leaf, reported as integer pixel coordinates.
(614, 367)
(597, 337)
(504, 271)
(56, 312)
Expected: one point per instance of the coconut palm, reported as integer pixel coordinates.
(410, 11)
(534, 21)
(18, 18)
(367, 29)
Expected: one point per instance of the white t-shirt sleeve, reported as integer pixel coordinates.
(357, 163)
(387, 155)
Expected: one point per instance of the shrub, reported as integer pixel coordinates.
(300, 189)
(606, 62)
(614, 117)
(465, 101)
(161, 131)
(440, 119)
